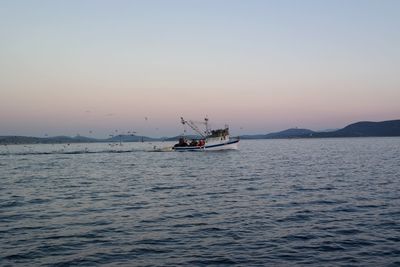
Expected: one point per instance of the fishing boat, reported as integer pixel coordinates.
(210, 140)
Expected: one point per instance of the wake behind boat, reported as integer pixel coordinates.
(211, 140)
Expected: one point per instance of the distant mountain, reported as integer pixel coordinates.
(358, 129)
(366, 129)
(82, 138)
(68, 139)
(20, 140)
(45, 140)
(327, 130)
(289, 133)
(129, 138)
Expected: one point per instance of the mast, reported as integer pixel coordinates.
(206, 123)
(193, 126)
(184, 126)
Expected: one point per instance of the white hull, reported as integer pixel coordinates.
(228, 146)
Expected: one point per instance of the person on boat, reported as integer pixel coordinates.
(193, 143)
(181, 143)
(201, 142)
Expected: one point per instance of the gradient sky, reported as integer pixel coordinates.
(69, 67)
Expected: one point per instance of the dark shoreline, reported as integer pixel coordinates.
(359, 129)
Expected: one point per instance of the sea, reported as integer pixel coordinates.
(294, 202)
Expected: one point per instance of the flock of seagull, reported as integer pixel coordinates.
(65, 146)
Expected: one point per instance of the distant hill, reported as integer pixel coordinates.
(289, 133)
(68, 139)
(365, 129)
(45, 140)
(129, 138)
(20, 140)
(358, 129)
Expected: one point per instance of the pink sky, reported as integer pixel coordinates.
(262, 67)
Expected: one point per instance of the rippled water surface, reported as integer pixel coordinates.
(319, 202)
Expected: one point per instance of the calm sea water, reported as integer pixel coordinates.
(319, 202)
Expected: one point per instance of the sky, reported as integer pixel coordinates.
(97, 67)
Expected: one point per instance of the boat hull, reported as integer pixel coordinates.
(230, 145)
